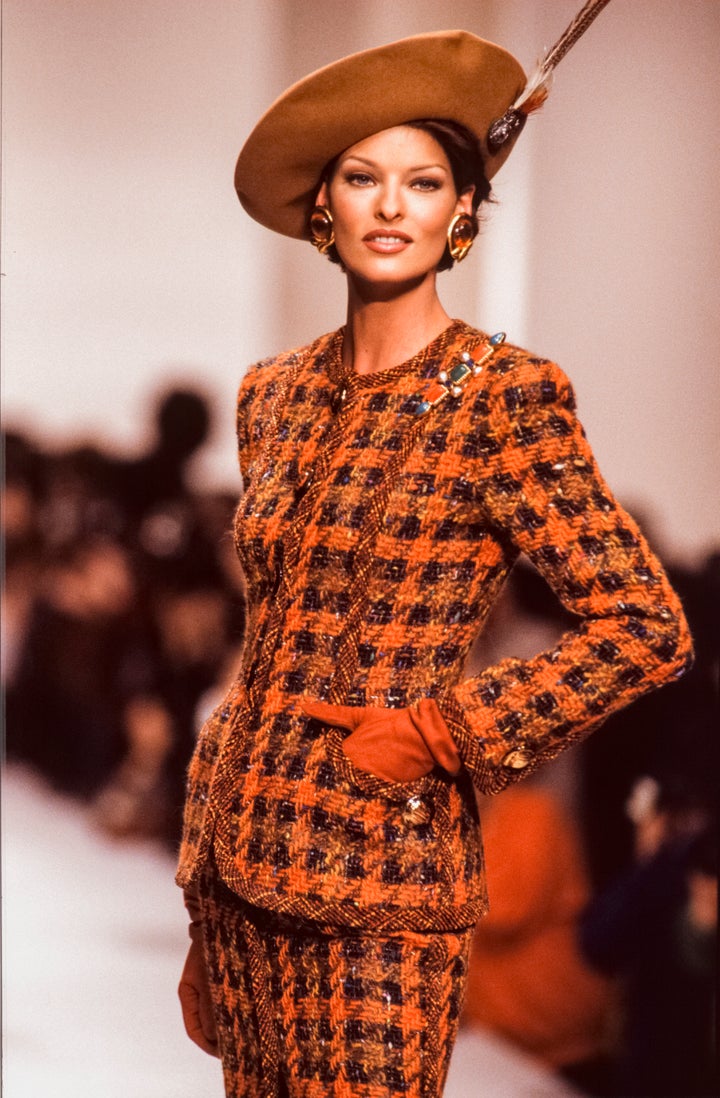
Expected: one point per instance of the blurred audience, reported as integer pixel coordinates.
(122, 606)
(65, 699)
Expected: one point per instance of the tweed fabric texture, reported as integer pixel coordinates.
(305, 1011)
(375, 538)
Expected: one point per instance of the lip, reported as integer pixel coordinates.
(387, 243)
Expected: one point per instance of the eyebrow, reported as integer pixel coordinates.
(373, 164)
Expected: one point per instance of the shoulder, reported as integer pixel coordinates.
(263, 380)
(511, 374)
(520, 380)
(518, 397)
(264, 377)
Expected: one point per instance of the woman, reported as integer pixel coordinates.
(392, 471)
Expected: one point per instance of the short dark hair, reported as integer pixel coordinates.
(464, 154)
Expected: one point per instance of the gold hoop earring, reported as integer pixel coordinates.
(461, 235)
(322, 232)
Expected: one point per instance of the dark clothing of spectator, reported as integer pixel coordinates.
(65, 707)
(639, 928)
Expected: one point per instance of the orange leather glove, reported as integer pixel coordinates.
(194, 988)
(398, 745)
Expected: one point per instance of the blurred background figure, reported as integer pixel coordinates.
(194, 623)
(65, 698)
(122, 606)
(22, 540)
(655, 927)
(528, 980)
(154, 487)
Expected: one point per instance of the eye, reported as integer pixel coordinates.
(426, 183)
(359, 179)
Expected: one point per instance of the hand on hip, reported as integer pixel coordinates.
(397, 745)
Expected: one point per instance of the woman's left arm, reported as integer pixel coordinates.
(547, 495)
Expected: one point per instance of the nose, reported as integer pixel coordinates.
(389, 202)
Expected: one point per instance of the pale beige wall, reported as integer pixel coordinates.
(625, 248)
(127, 259)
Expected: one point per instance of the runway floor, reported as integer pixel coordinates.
(93, 944)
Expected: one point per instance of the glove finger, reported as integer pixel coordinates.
(341, 716)
(432, 726)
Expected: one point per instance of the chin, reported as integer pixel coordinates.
(390, 271)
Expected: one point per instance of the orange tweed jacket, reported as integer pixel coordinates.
(376, 528)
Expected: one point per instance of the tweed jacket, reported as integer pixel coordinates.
(381, 515)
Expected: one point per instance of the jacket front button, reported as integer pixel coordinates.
(417, 811)
(518, 758)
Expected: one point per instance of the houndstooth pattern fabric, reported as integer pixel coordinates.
(375, 538)
(306, 1011)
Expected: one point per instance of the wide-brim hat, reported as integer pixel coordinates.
(447, 74)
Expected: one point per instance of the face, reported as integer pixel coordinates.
(392, 197)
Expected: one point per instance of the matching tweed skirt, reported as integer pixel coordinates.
(309, 1011)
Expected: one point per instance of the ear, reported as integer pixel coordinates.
(464, 202)
(321, 199)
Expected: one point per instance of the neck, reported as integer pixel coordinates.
(387, 328)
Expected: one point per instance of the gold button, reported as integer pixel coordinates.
(417, 811)
(518, 758)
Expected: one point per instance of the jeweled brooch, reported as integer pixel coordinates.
(451, 382)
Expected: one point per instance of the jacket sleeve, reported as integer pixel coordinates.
(547, 496)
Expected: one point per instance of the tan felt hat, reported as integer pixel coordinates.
(448, 74)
